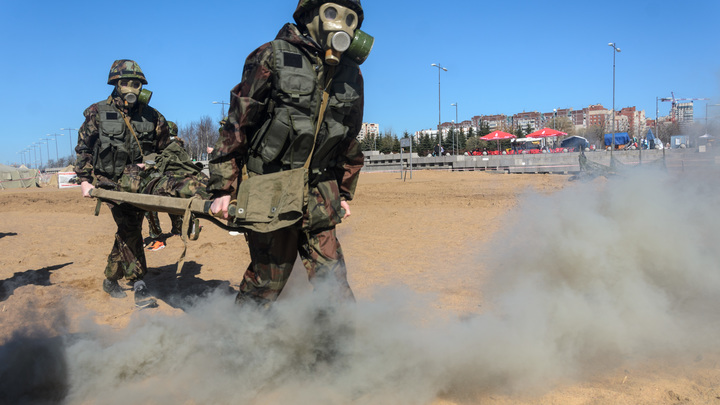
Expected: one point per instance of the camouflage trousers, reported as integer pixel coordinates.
(273, 255)
(127, 258)
(154, 224)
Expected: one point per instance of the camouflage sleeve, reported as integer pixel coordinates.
(353, 158)
(248, 109)
(163, 133)
(354, 161)
(87, 136)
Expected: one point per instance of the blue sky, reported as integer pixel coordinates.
(502, 58)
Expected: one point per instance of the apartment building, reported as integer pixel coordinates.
(368, 130)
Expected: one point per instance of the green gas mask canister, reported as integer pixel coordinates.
(145, 96)
(360, 47)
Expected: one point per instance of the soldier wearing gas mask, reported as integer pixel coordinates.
(271, 127)
(119, 131)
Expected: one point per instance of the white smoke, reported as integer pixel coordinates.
(584, 279)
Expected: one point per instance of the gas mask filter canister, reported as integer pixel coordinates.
(360, 47)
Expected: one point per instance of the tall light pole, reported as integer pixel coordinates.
(57, 155)
(440, 69)
(69, 138)
(47, 143)
(35, 153)
(40, 151)
(615, 49)
(223, 107)
(34, 156)
(455, 129)
(706, 115)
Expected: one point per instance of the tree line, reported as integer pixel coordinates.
(202, 134)
(469, 140)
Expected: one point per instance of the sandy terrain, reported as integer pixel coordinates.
(426, 251)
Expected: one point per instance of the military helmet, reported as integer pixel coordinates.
(307, 5)
(173, 128)
(125, 69)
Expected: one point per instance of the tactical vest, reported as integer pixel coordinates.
(285, 139)
(116, 147)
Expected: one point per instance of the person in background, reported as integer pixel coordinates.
(156, 241)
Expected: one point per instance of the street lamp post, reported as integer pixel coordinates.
(69, 138)
(455, 130)
(57, 155)
(706, 115)
(657, 112)
(223, 107)
(40, 152)
(34, 155)
(440, 69)
(615, 49)
(47, 146)
(36, 145)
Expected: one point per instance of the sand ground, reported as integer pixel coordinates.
(415, 232)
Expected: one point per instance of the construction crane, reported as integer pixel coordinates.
(674, 108)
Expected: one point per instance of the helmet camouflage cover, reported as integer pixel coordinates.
(125, 69)
(173, 128)
(307, 5)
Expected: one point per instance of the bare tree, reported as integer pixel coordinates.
(563, 124)
(199, 136)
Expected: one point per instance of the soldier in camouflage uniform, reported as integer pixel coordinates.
(117, 132)
(271, 127)
(153, 242)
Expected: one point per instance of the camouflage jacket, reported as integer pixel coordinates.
(89, 133)
(250, 101)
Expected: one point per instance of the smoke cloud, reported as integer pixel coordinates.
(582, 280)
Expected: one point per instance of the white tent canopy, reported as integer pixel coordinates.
(13, 177)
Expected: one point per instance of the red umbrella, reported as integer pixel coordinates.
(497, 136)
(546, 132)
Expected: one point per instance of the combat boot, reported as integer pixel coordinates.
(143, 299)
(113, 288)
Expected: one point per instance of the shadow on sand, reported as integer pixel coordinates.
(27, 277)
(184, 289)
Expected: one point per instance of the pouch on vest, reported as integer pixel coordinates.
(324, 209)
(272, 141)
(269, 202)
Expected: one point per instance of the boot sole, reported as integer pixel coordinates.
(148, 303)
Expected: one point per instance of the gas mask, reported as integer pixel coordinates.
(129, 90)
(334, 29)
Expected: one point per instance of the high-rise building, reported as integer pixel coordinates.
(682, 112)
(368, 130)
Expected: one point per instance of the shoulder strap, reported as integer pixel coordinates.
(321, 113)
(127, 122)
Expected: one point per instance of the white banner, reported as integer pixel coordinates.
(67, 179)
